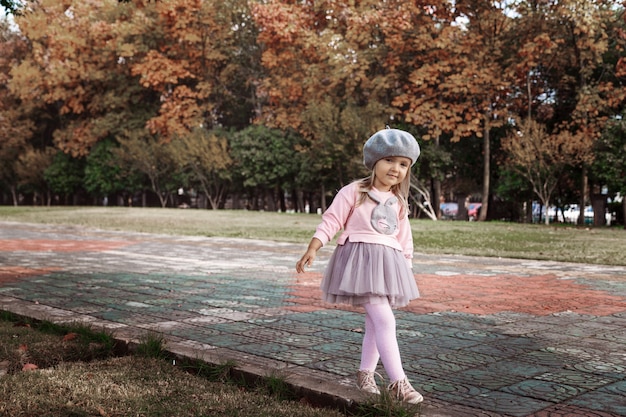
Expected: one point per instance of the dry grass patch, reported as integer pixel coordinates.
(75, 374)
(42, 345)
(134, 386)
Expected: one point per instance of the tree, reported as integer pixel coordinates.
(540, 157)
(609, 166)
(65, 175)
(194, 67)
(76, 71)
(103, 176)
(31, 169)
(459, 80)
(268, 162)
(204, 154)
(332, 71)
(141, 152)
(16, 124)
(569, 86)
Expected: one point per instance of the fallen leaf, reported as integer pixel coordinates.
(23, 348)
(70, 336)
(29, 367)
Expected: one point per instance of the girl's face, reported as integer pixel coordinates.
(390, 171)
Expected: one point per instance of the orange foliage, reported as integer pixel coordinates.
(186, 67)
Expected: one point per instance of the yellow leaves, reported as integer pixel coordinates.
(270, 59)
(207, 149)
(127, 50)
(77, 138)
(156, 70)
(180, 112)
(32, 163)
(24, 82)
(534, 149)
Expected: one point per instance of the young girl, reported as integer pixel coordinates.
(371, 266)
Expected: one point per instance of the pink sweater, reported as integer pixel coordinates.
(356, 221)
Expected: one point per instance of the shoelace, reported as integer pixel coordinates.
(404, 389)
(368, 383)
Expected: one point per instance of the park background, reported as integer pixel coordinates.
(265, 105)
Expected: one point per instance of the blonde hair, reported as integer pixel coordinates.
(401, 191)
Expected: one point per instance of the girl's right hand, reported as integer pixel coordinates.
(309, 256)
(306, 260)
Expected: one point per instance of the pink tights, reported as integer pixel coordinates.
(380, 342)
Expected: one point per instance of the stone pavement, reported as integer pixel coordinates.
(489, 337)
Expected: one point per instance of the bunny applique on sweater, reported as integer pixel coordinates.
(384, 216)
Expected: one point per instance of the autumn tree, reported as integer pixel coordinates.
(77, 71)
(332, 71)
(143, 153)
(16, 124)
(609, 166)
(309, 63)
(563, 78)
(31, 169)
(205, 156)
(541, 157)
(194, 68)
(458, 82)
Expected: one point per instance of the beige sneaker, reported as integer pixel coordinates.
(402, 390)
(366, 381)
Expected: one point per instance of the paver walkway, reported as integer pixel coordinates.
(489, 337)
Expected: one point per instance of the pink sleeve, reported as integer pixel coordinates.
(335, 217)
(405, 237)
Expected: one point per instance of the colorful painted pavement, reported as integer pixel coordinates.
(488, 337)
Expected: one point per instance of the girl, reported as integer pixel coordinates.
(371, 266)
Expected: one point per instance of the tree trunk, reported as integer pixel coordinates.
(436, 203)
(14, 195)
(281, 199)
(299, 204)
(583, 196)
(624, 210)
(598, 202)
(436, 183)
(486, 170)
(236, 202)
(528, 213)
(461, 213)
(270, 200)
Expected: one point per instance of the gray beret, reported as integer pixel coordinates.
(390, 142)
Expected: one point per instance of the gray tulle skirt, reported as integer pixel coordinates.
(361, 273)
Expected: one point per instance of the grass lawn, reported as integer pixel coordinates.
(78, 376)
(495, 239)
